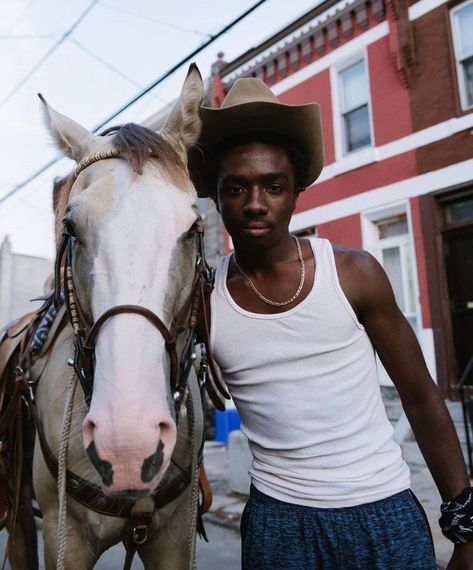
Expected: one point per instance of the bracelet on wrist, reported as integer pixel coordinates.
(456, 520)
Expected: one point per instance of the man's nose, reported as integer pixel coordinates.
(255, 203)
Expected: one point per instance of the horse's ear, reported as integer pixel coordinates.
(183, 123)
(71, 138)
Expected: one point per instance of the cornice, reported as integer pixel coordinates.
(326, 23)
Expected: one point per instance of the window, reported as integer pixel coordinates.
(393, 251)
(389, 241)
(354, 106)
(462, 26)
(460, 211)
(386, 234)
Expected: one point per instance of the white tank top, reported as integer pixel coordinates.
(306, 386)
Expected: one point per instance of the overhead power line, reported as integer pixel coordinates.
(160, 79)
(111, 67)
(27, 37)
(180, 63)
(19, 17)
(50, 51)
(152, 19)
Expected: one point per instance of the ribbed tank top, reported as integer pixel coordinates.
(306, 386)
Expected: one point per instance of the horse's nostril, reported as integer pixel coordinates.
(88, 429)
(153, 463)
(104, 468)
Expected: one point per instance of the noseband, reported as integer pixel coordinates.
(194, 308)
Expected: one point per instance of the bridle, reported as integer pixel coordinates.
(195, 308)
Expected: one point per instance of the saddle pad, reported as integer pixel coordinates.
(11, 338)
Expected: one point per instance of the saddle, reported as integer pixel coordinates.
(16, 427)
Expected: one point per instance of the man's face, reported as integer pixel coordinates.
(255, 194)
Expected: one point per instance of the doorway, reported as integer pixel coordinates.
(458, 251)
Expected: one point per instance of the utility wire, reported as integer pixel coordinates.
(111, 67)
(50, 51)
(4, 37)
(20, 16)
(152, 19)
(180, 63)
(160, 79)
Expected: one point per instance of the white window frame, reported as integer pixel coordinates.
(338, 124)
(371, 243)
(456, 46)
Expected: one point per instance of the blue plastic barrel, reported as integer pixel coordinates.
(225, 422)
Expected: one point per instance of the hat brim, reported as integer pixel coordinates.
(300, 124)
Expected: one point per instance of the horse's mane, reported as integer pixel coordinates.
(137, 145)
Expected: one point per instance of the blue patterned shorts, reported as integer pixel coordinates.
(391, 534)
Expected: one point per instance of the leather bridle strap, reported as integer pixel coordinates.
(169, 338)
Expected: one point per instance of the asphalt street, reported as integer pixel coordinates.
(222, 551)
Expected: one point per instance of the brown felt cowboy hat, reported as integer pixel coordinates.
(251, 107)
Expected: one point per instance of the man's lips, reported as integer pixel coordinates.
(256, 229)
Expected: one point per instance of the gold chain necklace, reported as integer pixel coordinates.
(265, 299)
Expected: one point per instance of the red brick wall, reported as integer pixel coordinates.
(316, 89)
(433, 96)
(389, 99)
(445, 152)
(421, 263)
(360, 180)
(345, 231)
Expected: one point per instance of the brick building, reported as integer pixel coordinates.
(395, 83)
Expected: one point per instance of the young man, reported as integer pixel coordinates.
(295, 327)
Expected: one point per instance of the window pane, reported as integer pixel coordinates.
(357, 128)
(468, 71)
(460, 211)
(392, 266)
(354, 87)
(396, 226)
(465, 25)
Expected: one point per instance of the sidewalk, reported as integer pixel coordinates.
(227, 506)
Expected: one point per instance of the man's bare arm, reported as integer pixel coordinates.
(368, 289)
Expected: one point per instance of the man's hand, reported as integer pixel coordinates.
(462, 558)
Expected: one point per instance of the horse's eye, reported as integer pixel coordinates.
(195, 226)
(69, 228)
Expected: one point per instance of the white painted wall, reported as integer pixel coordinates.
(22, 278)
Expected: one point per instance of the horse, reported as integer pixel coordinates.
(129, 267)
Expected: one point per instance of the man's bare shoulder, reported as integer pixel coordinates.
(361, 276)
(357, 260)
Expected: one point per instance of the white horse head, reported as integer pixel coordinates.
(130, 218)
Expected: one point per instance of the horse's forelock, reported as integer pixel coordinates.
(138, 144)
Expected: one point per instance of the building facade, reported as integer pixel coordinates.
(394, 80)
(22, 278)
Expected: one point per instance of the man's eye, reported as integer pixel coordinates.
(274, 188)
(235, 190)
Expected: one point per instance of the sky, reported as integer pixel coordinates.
(117, 48)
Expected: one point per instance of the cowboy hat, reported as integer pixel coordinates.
(251, 107)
